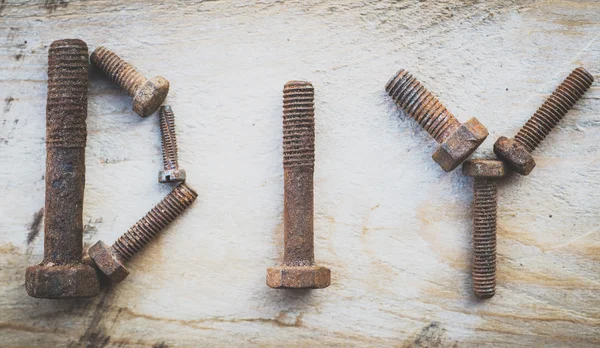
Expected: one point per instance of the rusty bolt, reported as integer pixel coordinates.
(517, 151)
(171, 171)
(485, 204)
(147, 94)
(62, 273)
(111, 260)
(457, 141)
(298, 269)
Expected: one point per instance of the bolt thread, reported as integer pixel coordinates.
(168, 138)
(484, 237)
(554, 108)
(155, 221)
(66, 106)
(298, 124)
(118, 70)
(421, 105)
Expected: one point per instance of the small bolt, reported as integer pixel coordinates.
(62, 274)
(147, 94)
(171, 171)
(298, 269)
(517, 151)
(457, 141)
(485, 205)
(111, 260)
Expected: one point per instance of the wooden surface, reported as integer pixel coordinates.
(392, 226)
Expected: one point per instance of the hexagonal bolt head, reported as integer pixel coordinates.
(148, 98)
(482, 168)
(515, 154)
(61, 281)
(171, 175)
(108, 262)
(460, 144)
(298, 277)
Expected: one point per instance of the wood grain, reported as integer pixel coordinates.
(390, 224)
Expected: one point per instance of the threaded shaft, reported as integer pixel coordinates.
(421, 105)
(155, 221)
(554, 108)
(66, 112)
(484, 237)
(298, 124)
(168, 138)
(118, 70)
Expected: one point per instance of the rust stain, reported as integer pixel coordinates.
(34, 227)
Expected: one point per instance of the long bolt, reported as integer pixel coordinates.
(147, 94)
(485, 203)
(62, 273)
(171, 171)
(111, 260)
(298, 269)
(517, 151)
(457, 140)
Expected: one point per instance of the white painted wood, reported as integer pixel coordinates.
(393, 227)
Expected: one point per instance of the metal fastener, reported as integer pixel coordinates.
(171, 171)
(62, 273)
(147, 94)
(111, 260)
(457, 141)
(517, 151)
(485, 205)
(298, 269)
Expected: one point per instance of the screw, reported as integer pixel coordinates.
(298, 269)
(171, 171)
(62, 273)
(485, 205)
(517, 151)
(457, 141)
(111, 260)
(147, 94)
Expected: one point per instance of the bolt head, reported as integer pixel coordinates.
(515, 154)
(298, 277)
(47, 280)
(171, 175)
(148, 98)
(460, 144)
(108, 262)
(483, 168)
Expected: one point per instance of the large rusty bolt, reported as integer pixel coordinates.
(457, 141)
(298, 270)
(62, 273)
(517, 151)
(111, 260)
(147, 94)
(485, 203)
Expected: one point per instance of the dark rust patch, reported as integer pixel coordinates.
(8, 104)
(298, 269)
(457, 141)
(517, 151)
(34, 227)
(62, 273)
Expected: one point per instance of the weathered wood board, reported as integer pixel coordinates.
(392, 226)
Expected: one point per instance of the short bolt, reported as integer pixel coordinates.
(517, 151)
(485, 203)
(298, 269)
(171, 171)
(62, 274)
(147, 94)
(457, 141)
(111, 260)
